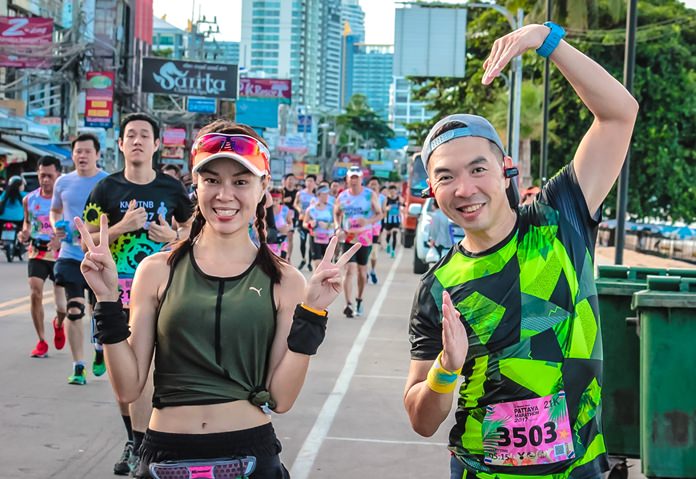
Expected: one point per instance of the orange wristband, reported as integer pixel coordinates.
(318, 312)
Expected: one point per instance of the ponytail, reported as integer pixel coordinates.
(268, 261)
(182, 248)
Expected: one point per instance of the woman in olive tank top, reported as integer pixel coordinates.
(231, 326)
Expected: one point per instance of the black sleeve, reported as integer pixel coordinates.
(425, 327)
(184, 206)
(90, 214)
(564, 194)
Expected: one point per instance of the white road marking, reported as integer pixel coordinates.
(25, 307)
(387, 441)
(377, 376)
(304, 461)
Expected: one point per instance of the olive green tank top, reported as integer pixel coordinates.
(214, 336)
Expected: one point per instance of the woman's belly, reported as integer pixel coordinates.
(211, 418)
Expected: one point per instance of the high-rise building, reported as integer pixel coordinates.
(168, 40)
(352, 13)
(221, 52)
(369, 71)
(295, 39)
(402, 108)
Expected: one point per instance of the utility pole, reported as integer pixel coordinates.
(545, 124)
(629, 70)
(75, 69)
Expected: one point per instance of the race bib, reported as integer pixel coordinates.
(124, 289)
(321, 236)
(528, 432)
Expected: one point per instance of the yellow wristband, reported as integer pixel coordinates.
(318, 312)
(441, 380)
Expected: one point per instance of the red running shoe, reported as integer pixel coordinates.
(41, 350)
(58, 335)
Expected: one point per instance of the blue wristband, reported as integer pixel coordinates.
(552, 39)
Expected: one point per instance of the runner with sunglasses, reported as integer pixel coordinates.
(230, 333)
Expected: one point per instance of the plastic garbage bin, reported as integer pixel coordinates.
(667, 328)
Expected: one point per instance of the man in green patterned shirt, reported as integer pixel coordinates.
(513, 307)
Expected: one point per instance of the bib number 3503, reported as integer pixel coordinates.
(528, 432)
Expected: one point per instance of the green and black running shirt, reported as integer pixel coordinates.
(529, 405)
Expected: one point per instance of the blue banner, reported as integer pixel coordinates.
(198, 104)
(258, 112)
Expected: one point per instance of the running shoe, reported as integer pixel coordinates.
(389, 248)
(121, 468)
(58, 335)
(98, 365)
(373, 277)
(309, 266)
(302, 265)
(134, 463)
(348, 311)
(41, 350)
(393, 253)
(359, 309)
(79, 377)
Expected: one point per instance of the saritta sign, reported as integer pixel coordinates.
(176, 77)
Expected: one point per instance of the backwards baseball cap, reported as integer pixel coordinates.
(471, 125)
(247, 150)
(354, 171)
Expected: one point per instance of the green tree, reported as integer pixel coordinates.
(362, 126)
(663, 158)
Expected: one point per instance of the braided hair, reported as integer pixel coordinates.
(265, 259)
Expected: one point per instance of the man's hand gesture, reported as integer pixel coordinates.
(455, 342)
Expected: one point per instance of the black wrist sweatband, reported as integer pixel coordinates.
(111, 324)
(307, 331)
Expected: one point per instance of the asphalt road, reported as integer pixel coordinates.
(349, 421)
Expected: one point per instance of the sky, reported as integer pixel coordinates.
(377, 30)
(179, 11)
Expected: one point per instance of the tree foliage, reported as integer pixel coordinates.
(361, 123)
(663, 155)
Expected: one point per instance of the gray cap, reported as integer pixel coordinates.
(475, 126)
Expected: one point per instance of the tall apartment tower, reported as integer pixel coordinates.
(352, 12)
(295, 39)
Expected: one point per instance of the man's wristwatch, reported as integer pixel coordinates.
(552, 39)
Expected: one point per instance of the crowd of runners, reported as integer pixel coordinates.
(171, 277)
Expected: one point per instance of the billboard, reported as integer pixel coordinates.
(99, 99)
(266, 88)
(177, 77)
(173, 143)
(196, 104)
(258, 112)
(25, 42)
(430, 42)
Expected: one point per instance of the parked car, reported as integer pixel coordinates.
(422, 239)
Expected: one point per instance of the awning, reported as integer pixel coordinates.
(23, 145)
(63, 155)
(12, 155)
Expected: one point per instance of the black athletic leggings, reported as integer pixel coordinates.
(304, 233)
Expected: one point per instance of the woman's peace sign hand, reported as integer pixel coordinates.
(326, 282)
(98, 266)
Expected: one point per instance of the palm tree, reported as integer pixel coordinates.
(531, 122)
(577, 14)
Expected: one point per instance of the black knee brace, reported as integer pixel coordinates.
(77, 305)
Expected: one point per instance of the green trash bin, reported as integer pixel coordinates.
(621, 349)
(667, 327)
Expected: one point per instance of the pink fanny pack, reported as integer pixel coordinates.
(224, 468)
